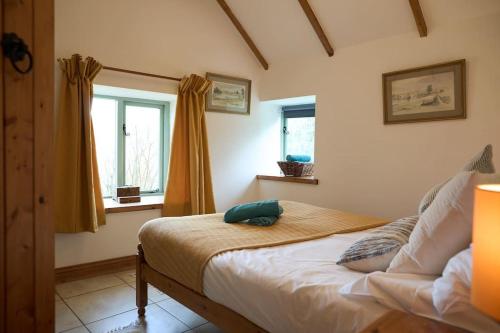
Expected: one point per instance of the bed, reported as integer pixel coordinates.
(289, 287)
(302, 271)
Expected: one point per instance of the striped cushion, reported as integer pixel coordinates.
(429, 197)
(482, 162)
(376, 250)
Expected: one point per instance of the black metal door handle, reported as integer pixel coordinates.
(16, 50)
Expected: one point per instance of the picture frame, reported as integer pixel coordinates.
(228, 94)
(429, 93)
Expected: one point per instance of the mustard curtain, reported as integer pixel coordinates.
(189, 186)
(78, 200)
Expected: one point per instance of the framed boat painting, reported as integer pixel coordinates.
(435, 92)
(228, 94)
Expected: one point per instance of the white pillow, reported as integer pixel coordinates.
(451, 292)
(481, 162)
(444, 229)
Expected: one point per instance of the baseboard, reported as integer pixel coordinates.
(77, 272)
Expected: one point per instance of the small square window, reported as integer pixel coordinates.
(298, 130)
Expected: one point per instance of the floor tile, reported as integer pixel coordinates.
(57, 298)
(182, 313)
(80, 287)
(157, 320)
(104, 303)
(207, 328)
(127, 276)
(154, 295)
(80, 329)
(65, 319)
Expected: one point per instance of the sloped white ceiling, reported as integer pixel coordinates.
(281, 30)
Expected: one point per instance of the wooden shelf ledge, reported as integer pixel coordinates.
(147, 203)
(302, 180)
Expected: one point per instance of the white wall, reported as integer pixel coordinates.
(172, 38)
(117, 238)
(365, 166)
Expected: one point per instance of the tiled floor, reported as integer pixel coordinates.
(101, 304)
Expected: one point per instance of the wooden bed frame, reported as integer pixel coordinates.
(221, 316)
(231, 321)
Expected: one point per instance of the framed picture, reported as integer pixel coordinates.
(435, 92)
(228, 94)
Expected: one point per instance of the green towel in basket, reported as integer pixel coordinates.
(298, 158)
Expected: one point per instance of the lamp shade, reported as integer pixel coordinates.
(485, 289)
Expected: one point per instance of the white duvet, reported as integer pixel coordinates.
(299, 288)
(413, 293)
(291, 288)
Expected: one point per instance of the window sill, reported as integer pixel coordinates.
(147, 203)
(302, 180)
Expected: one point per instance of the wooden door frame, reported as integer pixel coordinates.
(2, 196)
(26, 200)
(44, 87)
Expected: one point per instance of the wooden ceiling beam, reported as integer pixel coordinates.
(316, 26)
(419, 17)
(243, 33)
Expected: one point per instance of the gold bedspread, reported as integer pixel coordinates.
(180, 247)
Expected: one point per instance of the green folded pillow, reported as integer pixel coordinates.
(252, 210)
(262, 221)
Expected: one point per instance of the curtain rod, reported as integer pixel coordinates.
(141, 73)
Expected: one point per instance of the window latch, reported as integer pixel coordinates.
(285, 131)
(124, 128)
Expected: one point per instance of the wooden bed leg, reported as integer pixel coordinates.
(141, 290)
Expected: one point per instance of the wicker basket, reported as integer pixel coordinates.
(296, 169)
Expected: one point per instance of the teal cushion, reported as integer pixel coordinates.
(264, 208)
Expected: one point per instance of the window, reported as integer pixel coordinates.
(132, 142)
(298, 130)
